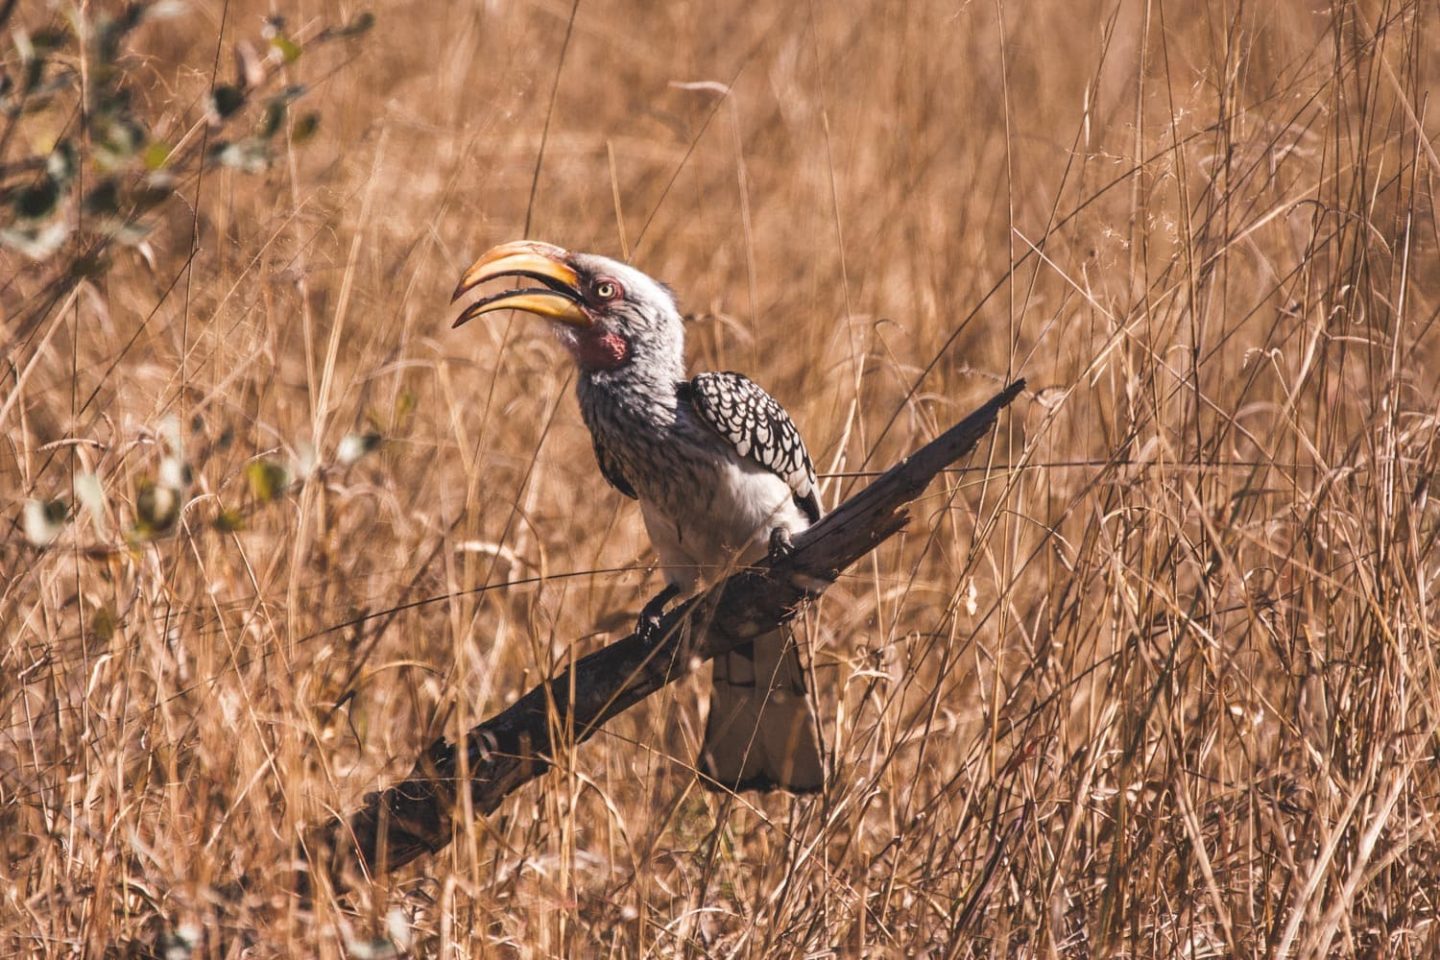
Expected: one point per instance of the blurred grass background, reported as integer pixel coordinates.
(1154, 676)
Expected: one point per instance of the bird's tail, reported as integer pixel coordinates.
(762, 733)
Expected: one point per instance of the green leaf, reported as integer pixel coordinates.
(268, 480)
(288, 49)
(155, 155)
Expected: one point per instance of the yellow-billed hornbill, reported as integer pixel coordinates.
(717, 465)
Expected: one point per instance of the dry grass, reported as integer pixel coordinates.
(1157, 676)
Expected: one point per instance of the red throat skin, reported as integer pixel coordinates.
(600, 350)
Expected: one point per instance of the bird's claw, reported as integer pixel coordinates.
(781, 546)
(647, 625)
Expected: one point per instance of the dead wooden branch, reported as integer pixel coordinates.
(415, 817)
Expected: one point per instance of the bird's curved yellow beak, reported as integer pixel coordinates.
(559, 298)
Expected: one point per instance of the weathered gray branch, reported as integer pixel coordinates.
(498, 756)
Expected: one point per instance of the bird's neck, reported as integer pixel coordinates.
(637, 396)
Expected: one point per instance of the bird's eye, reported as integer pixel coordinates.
(607, 289)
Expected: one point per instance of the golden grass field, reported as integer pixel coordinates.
(1154, 675)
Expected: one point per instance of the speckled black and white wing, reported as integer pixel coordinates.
(757, 427)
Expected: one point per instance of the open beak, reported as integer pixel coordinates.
(559, 297)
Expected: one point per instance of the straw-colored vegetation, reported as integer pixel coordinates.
(1155, 675)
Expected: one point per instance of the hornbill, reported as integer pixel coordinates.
(719, 470)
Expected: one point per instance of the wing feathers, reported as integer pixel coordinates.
(736, 408)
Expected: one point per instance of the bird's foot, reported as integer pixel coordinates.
(781, 546)
(647, 627)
